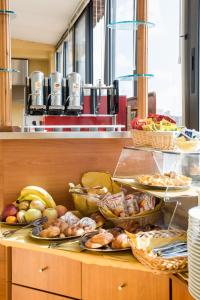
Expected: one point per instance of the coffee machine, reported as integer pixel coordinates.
(66, 101)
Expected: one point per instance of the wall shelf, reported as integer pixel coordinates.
(129, 25)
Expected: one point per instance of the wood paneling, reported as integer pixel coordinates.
(5, 273)
(111, 283)
(22, 293)
(180, 290)
(5, 62)
(52, 164)
(142, 60)
(46, 272)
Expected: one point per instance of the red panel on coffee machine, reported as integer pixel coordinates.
(84, 119)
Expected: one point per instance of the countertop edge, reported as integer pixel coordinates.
(64, 135)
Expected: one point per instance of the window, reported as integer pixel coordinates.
(122, 44)
(59, 59)
(69, 53)
(164, 60)
(80, 46)
(98, 39)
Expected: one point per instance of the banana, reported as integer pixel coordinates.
(39, 192)
(30, 197)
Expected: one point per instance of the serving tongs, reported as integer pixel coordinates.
(35, 223)
(59, 243)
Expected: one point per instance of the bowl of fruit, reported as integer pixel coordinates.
(33, 203)
(157, 131)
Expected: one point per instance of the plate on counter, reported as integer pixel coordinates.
(13, 224)
(87, 236)
(35, 235)
(171, 188)
(171, 181)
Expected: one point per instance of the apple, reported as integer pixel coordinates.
(32, 214)
(9, 210)
(50, 213)
(38, 204)
(61, 210)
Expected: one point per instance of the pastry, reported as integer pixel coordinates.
(98, 218)
(120, 242)
(99, 240)
(167, 180)
(153, 239)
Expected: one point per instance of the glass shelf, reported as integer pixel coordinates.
(9, 70)
(149, 149)
(129, 25)
(134, 76)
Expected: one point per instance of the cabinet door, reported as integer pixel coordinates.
(47, 272)
(5, 272)
(180, 290)
(109, 283)
(22, 293)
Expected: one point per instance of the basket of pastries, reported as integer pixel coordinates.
(94, 186)
(157, 131)
(125, 211)
(162, 250)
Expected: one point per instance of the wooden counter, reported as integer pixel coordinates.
(53, 274)
(80, 275)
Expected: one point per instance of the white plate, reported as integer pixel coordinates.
(192, 250)
(194, 286)
(193, 293)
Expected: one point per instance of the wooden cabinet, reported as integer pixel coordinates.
(180, 290)
(22, 293)
(48, 272)
(5, 270)
(102, 282)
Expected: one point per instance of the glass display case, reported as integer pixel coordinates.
(178, 199)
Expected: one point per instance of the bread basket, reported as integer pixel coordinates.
(163, 140)
(166, 265)
(142, 219)
(86, 204)
(141, 138)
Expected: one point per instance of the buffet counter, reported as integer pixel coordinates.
(32, 269)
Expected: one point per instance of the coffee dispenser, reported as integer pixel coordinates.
(36, 99)
(56, 97)
(74, 94)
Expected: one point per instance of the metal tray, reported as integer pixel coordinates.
(102, 249)
(37, 237)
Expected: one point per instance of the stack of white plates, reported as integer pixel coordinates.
(194, 252)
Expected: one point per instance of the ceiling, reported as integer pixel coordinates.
(41, 21)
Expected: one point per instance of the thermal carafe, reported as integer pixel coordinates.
(74, 90)
(56, 80)
(37, 88)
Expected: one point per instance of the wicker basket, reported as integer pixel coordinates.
(163, 140)
(172, 265)
(141, 138)
(144, 218)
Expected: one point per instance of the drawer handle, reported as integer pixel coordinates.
(121, 286)
(43, 269)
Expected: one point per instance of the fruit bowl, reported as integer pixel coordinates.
(184, 145)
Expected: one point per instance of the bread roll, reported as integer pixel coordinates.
(120, 242)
